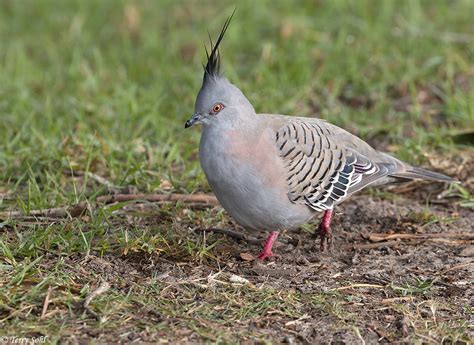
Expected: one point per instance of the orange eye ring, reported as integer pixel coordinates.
(217, 108)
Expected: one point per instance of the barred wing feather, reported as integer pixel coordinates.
(320, 171)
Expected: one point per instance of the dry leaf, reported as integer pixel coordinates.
(247, 257)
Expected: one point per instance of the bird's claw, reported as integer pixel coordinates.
(326, 237)
(265, 254)
(267, 247)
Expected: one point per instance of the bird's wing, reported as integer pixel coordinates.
(321, 171)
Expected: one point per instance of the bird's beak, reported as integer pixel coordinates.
(195, 118)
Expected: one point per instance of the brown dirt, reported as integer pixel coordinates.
(407, 290)
(449, 266)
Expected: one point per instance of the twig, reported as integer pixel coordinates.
(46, 303)
(270, 271)
(396, 299)
(456, 267)
(450, 242)
(233, 234)
(144, 207)
(406, 187)
(374, 286)
(196, 282)
(99, 179)
(379, 332)
(372, 245)
(186, 198)
(195, 200)
(357, 332)
(16, 312)
(383, 237)
(103, 287)
(56, 212)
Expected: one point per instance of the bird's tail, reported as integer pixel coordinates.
(423, 174)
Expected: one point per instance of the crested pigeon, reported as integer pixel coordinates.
(276, 172)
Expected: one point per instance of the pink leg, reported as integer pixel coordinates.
(267, 247)
(325, 230)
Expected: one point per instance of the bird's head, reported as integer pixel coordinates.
(219, 102)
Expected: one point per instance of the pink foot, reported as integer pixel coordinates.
(325, 230)
(267, 247)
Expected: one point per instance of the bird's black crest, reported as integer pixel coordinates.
(213, 59)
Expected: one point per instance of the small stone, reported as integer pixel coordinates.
(467, 251)
(238, 279)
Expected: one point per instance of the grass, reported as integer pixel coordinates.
(104, 88)
(420, 286)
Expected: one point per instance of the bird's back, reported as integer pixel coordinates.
(325, 164)
(338, 134)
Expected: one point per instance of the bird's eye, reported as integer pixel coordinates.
(217, 107)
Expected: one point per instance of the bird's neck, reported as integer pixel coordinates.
(243, 132)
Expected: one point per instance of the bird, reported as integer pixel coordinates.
(276, 172)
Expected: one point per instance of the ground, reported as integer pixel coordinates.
(171, 282)
(93, 100)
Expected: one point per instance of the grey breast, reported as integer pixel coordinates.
(242, 185)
